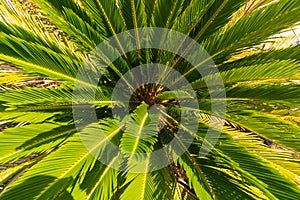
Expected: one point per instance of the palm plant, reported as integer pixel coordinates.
(257, 154)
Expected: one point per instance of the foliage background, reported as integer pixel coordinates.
(42, 45)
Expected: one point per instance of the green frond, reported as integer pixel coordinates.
(149, 9)
(106, 16)
(252, 173)
(46, 154)
(75, 22)
(269, 126)
(141, 132)
(218, 15)
(279, 158)
(134, 13)
(192, 15)
(276, 92)
(34, 57)
(267, 178)
(197, 179)
(274, 70)
(144, 186)
(273, 18)
(40, 138)
(266, 56)
(55, 174)
(31, 117)
(38, 98)
(104, 184)
(165, 12)
(180, 94)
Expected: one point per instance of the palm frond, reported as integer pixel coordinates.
(271, 127)
(275, 70)
(43, 157)
(29, 139)
(253, 28)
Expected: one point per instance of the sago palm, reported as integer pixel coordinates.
(51, 146)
